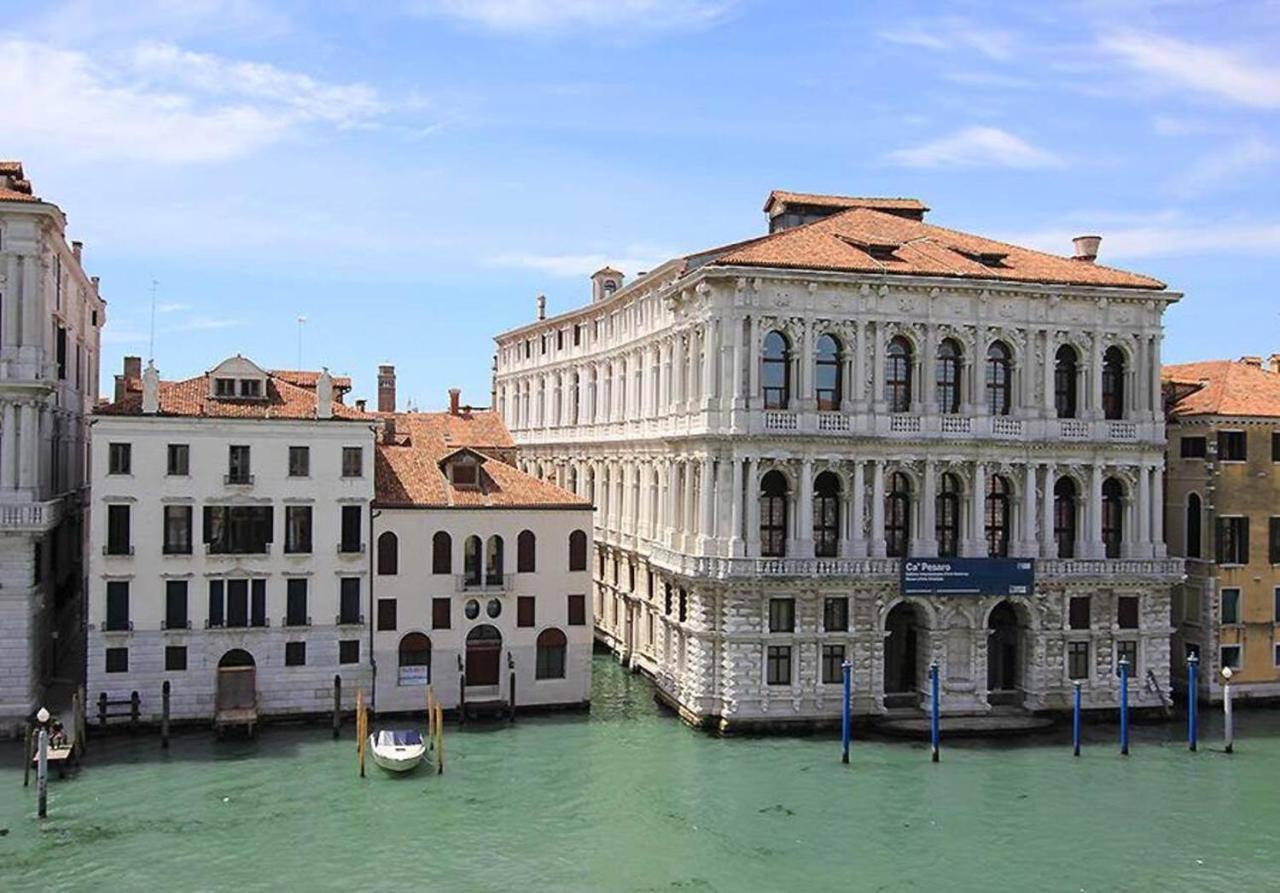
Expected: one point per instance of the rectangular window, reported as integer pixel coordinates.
(117, 605)
(238, 529)
(1273, 540)
(297, 529)
(349, 651)
(352, 462)
(1127, 649)
(238, 465)
(1275, 446)
(1230, 655)
(119, 458)
(177, 530)
(782, 615)
(778, 665)
(1232, 446)
(1277, 654)
(60, 348)
(1233, 540)
(299, 461)
(295, 654)
(1276, 608)
(224, 387)
(117, 660)
(179, 460)
(237, 603)
(1192, 447)
(577, 610)
(250, 387)
(118, 538)
(577, 334)
(1230, 606)
(1078, 612)
(349, 605)
(175, 658)
(524, 610)
(1078, 660)
(175, 605)
(832, 664)
(296, 602)
(441, 613)
(835, 615)
(386, 614)
(258, 603)
(1127, 612)
(217, 614)
(351, 515)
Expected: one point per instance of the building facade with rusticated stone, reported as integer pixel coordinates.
(769, 429)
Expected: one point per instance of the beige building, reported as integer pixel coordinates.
(1223, 517)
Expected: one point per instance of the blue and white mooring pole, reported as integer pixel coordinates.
(1193, 696)
(1124, 706)
(1228, 723)
(846, 720)
(933, 711)
(1075, 722)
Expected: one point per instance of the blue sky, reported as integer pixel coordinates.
(409, 175)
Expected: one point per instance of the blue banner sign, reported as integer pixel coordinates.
(968, 576)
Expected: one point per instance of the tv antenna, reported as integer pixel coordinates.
(151, 338)
(302, 321)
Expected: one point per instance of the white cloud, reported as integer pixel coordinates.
(1227, 164)
(556, 15)
(954, 34)
(1256, 238)
(171, 308)
(977, 147)
(573, 266)
(207, 324)
(117, 334)
(1179, 64)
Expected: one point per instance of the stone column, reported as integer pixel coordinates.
(1093, 546)
(1155, 401)
(926, 546)
(735, 510)
(1050, 411)
(928, 376)
(1158, 548)
(10, 309)
(709, 391)
(753, 359)
(8, 447)
(1143, 545)
(804, 535)
(977, 513)
(859, 383)
(808, 399)
(32, 311)
(1029, 518)
(857, 541)
(879, 406)
(753, 507)
(707, 488)
(28, 447)
(691, 373)
(1048, 547)
(689, 521)
(877, 509)
(739, 357)
(1095, 376)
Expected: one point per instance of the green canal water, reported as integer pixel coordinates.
(629, 799)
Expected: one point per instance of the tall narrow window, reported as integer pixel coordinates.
(238, 465)
(828, 375)
(296, 602)
(117, 605)
(1064, 517)
(351, 529)
(471, 560)
(493, 561)
(1233, 540)
(179, 459)
(388, 553)
(175, 605)
(1193, 526)
(441, 553)
(119, 540)
(1113, 383)
(578, 551)
(826, 515)
(897, 377)
(1065, 372)
(947, 525)
(997, 526)
(349, 601)
(119, 458)
(549, 656)
(776, 372)
(999, 379)
(352, 462)
(1112, 517)
(773, 515)
(526, 552)
(297, 529)
(897, 516)
(177, 530)
(948, 374)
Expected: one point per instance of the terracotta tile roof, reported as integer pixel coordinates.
(843, 201)
(14, 186)
(10, 195)
(1225, 388)
(865, 240)
(11, 168)
(306, 378)
(408, 473)
(191, 398)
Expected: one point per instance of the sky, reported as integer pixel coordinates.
(407, 175)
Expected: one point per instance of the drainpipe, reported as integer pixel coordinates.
(373, 661)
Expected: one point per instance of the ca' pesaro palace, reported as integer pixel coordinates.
(768, 429)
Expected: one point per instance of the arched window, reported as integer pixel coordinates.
(999, 379)
(1113, 383)
(550, 655)
(947, 525)
(828, 376)
(897, 516)
(776, 378)
(1112, 516)
(1193, 526)
(997, 526)
(826, 515)
(773, 515)
(948, 373)
(1064, 517)
(471, 568)
(897, 378)
(493, 561)
(578, 551)
(526, 553)
(1065, 372)
(441, 553)
(415, 660)
(388, 553)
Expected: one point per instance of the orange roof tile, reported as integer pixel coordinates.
(408, 473)
(1224, 388)
(843, 201)
(855, 241)
(191, 398)
(305, 378)
(11, 195)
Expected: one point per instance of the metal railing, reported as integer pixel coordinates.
(487, 583)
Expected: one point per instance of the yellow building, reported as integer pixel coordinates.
(1223, 516)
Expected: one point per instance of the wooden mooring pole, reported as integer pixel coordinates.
(439, 740)
(337, 706)
(361, 721)
(28, 754)
(42, 775)
(164, 715)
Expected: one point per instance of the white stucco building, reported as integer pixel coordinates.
(481, 572)
(229, 529)
(768, 428)
(50, 318)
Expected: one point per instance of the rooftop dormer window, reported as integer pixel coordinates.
(462, 468)
(465, 474)
(224, 387)
(250, 387)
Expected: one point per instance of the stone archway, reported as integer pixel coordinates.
(484, 650)
(902, 650)
(1005, 657)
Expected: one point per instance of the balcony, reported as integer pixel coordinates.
(499, 583)
(348, 620)
(215, 549)
(31, 517)
(117, 551)
(350, 548)
(238, 480)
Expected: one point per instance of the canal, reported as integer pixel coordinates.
(629, 799)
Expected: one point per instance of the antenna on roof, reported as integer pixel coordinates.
(151, 337)
(302, 321)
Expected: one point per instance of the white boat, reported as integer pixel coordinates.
(397, 750)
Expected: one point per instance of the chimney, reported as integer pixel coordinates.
(1255, 362)
(389, 429)
(454, 394)
(386, 388)
(1086, 248)
(542, 306)
(76, 248)
(324, 395)
(1273, 363)
(132, 372)
(150, 389)
(361, 404)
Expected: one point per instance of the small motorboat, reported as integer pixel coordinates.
(397, 750)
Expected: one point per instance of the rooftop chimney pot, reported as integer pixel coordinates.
(454, 395)
(1086, 248)
(1255, 362)
(1273, 363)
(76, 248)
(542, 306)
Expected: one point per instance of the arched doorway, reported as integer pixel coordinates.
(901, 653)
(484, 648)
(415, 659)
(1004, 667)
(237, 691)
